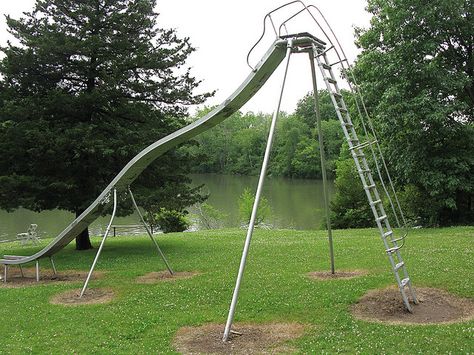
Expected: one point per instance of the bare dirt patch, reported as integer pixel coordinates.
(154, 277)
(252, 339)
(343, 274)
(435, 306)
(47, 276)
(91, 296)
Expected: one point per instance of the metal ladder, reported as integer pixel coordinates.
(356, 148)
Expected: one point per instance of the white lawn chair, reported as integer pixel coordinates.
(30, 236)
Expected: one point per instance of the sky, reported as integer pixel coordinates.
(224, 31)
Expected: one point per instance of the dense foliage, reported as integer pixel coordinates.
(90, 84)
(417, 71)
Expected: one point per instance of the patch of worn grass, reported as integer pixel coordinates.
(143, 318)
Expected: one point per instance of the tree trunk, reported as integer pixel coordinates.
(83, 241)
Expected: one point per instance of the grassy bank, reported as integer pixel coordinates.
(144, 318)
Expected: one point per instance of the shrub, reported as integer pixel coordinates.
(167, 220)
(246, 201)
(209, 217)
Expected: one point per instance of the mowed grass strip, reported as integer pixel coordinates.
(143, 318)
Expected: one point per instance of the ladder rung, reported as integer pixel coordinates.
(364, 171)
(331, 80)
(342, 109)
(368, 187)
(337, 95)
(340, 61)
(397, 240)
(381, 218)
(405, 282)
(348, 124)
(392, 250)
(387, 234)
(326, 66)
(399, 266)
(373, 203)
(361, 146)
(323, 53)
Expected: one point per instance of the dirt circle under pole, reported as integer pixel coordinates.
(91, 296)
(338, 274)
(247, 339)
(434, 306)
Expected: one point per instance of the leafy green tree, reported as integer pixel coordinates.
(91, 83)
(417, 72)
(305, 162)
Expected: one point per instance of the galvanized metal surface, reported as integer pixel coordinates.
(258, 193)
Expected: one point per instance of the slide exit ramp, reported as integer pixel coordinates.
(251, 85)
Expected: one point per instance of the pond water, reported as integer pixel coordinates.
(295, 203)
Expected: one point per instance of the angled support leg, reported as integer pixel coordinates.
(101, 245)
(323, 159)
(261, 180)
(53, 266)
(21, 271)
(150, 234)
(5, 273)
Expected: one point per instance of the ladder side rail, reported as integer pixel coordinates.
(360, 161)
(397, 253)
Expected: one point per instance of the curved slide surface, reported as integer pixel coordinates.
(257, 78)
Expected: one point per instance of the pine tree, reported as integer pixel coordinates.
(90, 84)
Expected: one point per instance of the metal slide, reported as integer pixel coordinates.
(257, 78)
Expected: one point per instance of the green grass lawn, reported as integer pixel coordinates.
(144, 318)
